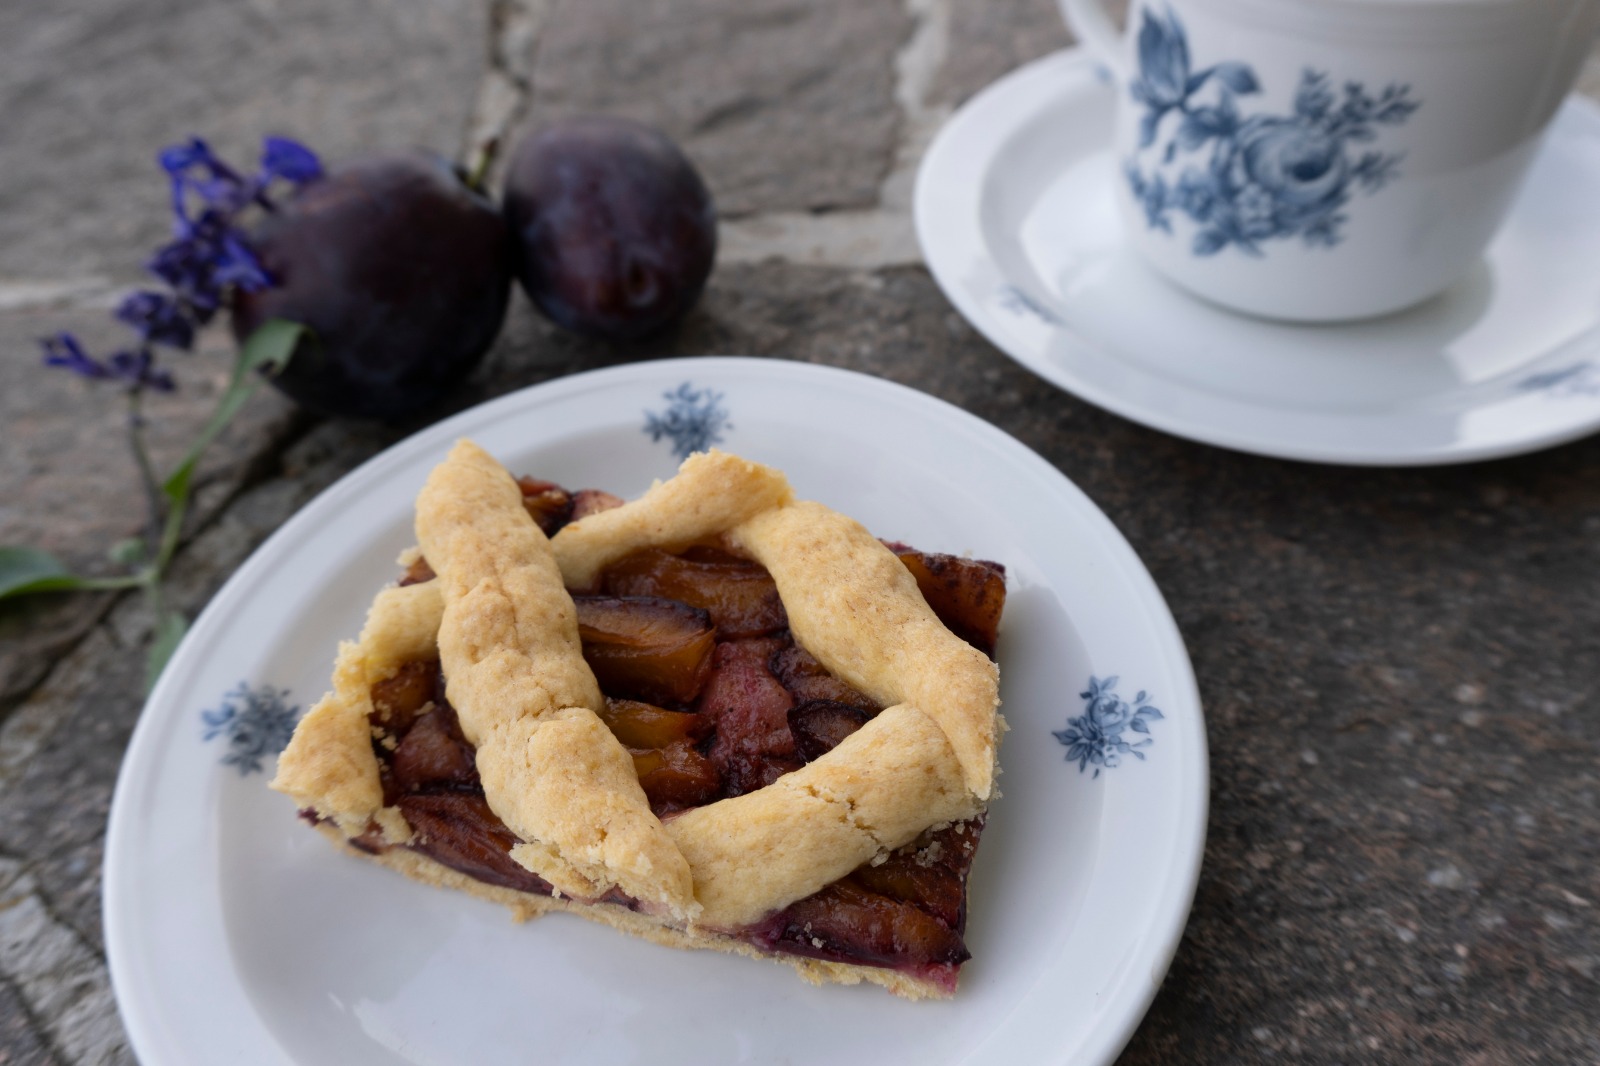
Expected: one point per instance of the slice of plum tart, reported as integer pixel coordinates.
(714, 716)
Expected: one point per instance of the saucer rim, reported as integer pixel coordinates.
(987, 120)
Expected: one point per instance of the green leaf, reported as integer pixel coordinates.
(24, 571)
(170, 628)
(127, 552)
(269, 348)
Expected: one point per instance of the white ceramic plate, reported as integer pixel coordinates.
(238, 935)
(1015, 213)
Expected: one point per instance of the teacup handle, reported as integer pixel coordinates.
(1091, 24)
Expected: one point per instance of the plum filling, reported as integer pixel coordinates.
(908, 912)
(708, 691)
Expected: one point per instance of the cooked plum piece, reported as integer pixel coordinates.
(676, 777)
(740, 595)
(931, 873)
(586, 502)
(398, 700)
(434, 755)
(807, 679)
(644, 725)
(459, 830)
(753, 746)
(646, 648)
(967, 594)
(548, 504)
(848, 923)
(819, 725)
(418, 572)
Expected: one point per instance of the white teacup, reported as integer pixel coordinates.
(1321, 160)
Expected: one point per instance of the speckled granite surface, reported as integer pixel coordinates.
(1400, 668)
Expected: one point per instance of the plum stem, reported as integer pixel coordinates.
(478, 175)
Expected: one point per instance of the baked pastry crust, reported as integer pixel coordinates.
(526, 905)
(507, 637)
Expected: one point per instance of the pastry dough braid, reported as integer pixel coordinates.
(514, 669)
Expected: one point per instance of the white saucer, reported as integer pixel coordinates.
(1015, 214)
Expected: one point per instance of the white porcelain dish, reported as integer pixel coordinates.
(1016, 213)
(238, 935)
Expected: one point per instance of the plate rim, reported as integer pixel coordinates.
(987, 118)
(141, 1010)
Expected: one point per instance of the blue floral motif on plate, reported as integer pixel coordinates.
(694, 420)
(255, 721)
(1096, 736)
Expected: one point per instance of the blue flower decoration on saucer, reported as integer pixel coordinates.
(1248, 179)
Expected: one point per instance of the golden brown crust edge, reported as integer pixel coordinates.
(328, 764)
(526, 906)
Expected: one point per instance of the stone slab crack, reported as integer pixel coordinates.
(506, 88)
(877, 237)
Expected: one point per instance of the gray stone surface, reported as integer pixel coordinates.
(92, 89)
(990, 37)
(1399, 667)
(60, 977)
(20, 1043)
(782, 105)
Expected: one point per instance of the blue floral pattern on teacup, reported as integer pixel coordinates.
(1096, 736)
(1245, 179)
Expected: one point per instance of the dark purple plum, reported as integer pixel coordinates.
(402, 273)
(615, 231)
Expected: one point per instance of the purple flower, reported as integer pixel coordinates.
(192, 166)
(139, 371)
(176, 159)
(235, 262)
(289, 160)
(184, 265)
(208, 256)
(135, 368)
(63, 350)
(158, 318)
(200, 265)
